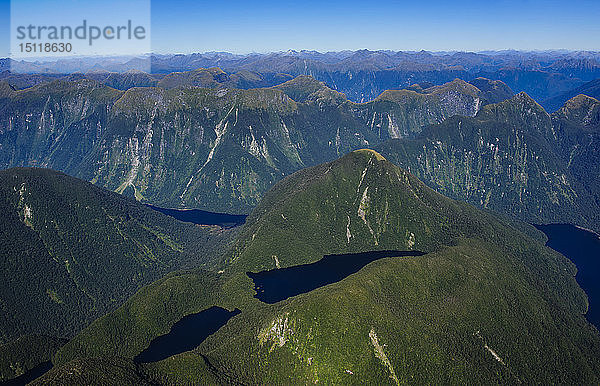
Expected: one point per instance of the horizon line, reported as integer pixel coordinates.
(483, 52)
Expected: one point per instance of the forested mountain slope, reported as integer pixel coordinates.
(216, 149)
(513, 158)
(71, 252)
(485, 304)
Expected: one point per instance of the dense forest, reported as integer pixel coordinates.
(71, 252)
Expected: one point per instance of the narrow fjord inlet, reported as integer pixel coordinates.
(202, 217)
(186, 334)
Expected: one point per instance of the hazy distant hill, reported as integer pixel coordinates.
(591, 89)
(361, 75)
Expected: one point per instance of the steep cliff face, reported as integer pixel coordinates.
(218, 149)
(222, 149)
(506, 158)
(577, 134)
(54, 125)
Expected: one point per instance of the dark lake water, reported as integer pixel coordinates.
(186, 334)
(582, 247)
(29, 376)
(202, 217)
(279, 284)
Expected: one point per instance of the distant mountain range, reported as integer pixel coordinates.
(216, 149)
(360, 75)
(591, 89)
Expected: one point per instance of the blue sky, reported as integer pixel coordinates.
(184, 26)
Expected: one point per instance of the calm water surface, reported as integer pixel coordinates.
(202, 217)
(186, 334)
(30, 376)
(582, 247)
(279, 284)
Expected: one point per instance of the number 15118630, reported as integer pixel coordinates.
(45, 47)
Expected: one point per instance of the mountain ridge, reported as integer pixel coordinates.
(179, 144)
(72, 252)
(392, 306)
(362, 75)
(509, 153)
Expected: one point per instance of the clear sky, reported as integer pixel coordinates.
(185, 26)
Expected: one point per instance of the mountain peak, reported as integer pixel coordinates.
(524, 97)
(581, 110)
(525, 100)
(214, 70)
(305, 88)
(494, 91)
(521, 103)
(304, 80)
(369, 152)
(519, 111)
(354, 199)
(453, 98)
(580, 100)
(457, 84)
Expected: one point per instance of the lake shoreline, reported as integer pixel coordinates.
(582, 247)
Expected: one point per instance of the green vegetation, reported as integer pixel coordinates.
(486, 304)
(577, 134)
(168, 298)
(95, 371)
(305, 88)
(494, 91)
(221, 149)
(177, 370)
(71, 252)
(218, 149)
(514, 158)
(216, 78)
(25, 353)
